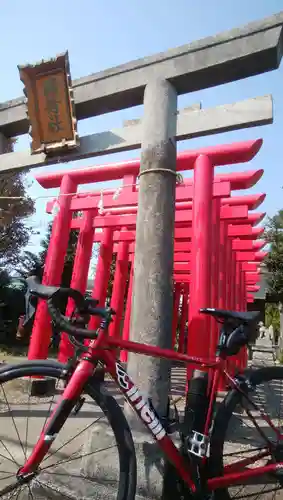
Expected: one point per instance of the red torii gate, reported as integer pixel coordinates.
(203, 162)
(123, 249)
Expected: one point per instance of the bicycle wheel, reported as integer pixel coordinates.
(235, 437)
(87, 460)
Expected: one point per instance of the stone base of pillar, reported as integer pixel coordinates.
(150, 466)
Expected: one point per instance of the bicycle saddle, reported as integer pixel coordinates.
(243, 317)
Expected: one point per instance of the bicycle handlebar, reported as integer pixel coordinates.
(65, 325)
(84, 306)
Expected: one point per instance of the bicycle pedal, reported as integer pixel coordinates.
(78, 406)
(197, 444)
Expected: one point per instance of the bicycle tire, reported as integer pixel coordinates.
(108, 405)
(221, 423)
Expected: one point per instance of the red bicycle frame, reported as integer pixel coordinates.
(103, 349)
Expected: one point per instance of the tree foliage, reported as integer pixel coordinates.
(14, 231)
(274, 261)
(272, 316)
(30, 263)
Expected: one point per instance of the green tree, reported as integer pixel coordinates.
(272, 316)
(274, 261)
(12, 305)
(14, 230)
(34, 264)
(30, 263)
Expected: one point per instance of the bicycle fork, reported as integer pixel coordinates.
(58, 417)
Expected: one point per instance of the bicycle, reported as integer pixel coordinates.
(200, 465)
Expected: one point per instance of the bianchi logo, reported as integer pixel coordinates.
(123, 378)
(139, 403)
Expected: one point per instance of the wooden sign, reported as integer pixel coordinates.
(50, 105)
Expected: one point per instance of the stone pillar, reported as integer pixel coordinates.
(151, 318)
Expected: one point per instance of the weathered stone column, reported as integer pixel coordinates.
(151, 319)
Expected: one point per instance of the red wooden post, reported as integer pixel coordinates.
(239, 308)
(229, 274)
(215, 271)
(119, 287)
(41, 333)
(223, 280)
(236, 304)
(127, 321)
(79, 277)
(234, 280)
(176, 304)
(238, 286)
(232, 306)
(222, 266)
(184, 317)
(198, 329)
(102, 273)
(244, 308)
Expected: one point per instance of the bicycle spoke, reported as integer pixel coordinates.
(261, 491)
(6, 477)
(71, 439)
(274, 495)
(30, 492)
(19, 491)
(277, 414)
(13, 420)
(78, 457)
(255, 427)
(57, 490)
(12, 459)
(241, 489)
(46, 487)
(64, 475)
(48, 411)
(252, 495)
(236, 453)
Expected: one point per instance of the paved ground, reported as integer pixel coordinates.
(53, 481)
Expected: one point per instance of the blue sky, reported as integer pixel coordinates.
(102, 34)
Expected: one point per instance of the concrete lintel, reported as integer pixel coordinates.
(195, 123)
(228, 56)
